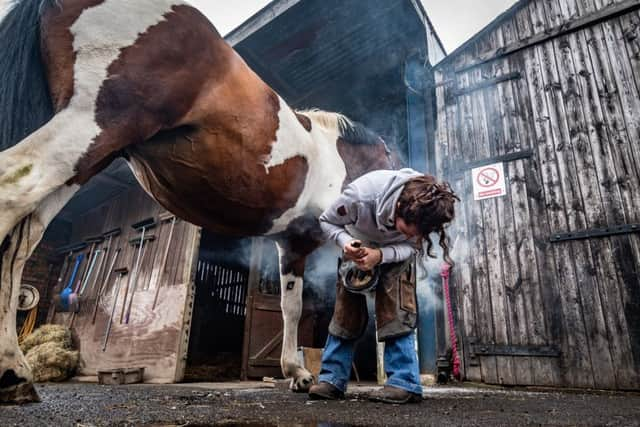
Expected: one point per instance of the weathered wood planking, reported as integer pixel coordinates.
(611, 332)
(152, 338)
(488, 105)
(578, 107)
(577, 194)
(516, 274)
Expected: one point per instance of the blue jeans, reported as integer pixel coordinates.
(400, 363)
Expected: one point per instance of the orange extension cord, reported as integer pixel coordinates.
(28, 325)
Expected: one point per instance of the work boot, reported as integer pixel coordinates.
(390, 394)
(325, 391)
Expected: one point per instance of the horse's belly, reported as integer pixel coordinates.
(216, 183)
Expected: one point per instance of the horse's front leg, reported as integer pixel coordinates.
(291, 279)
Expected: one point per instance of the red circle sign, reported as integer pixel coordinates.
(488, 177)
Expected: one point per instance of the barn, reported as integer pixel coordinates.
(201, 306)
(536, 123)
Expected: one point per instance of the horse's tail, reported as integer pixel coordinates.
(25, 101)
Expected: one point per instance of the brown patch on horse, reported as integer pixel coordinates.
(58, 54)
(154, 84)
(197, 121)
(304, 121)
(212, 175)
(360, 159)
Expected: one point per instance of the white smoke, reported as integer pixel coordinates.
(321, 271)
(4, 8)
(428, 271)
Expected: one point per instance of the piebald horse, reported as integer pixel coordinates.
(151, 81)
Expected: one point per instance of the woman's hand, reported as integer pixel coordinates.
(371, 258)
(354, 250)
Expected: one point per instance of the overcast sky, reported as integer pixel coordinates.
(455, 21)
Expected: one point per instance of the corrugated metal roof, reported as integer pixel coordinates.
(301, 46)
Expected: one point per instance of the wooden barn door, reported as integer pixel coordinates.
(547, 276)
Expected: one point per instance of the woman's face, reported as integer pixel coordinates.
(409, 230)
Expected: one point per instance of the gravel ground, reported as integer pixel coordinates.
(193, 405)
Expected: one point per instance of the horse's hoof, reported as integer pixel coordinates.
(302, 383)
(19, 394)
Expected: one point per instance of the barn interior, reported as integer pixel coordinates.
(368, 60)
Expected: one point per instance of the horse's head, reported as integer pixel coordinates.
(362, 150)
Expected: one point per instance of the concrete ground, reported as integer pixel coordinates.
(263, 404)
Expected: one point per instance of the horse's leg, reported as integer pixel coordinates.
(15, 374)
(41, 163)
(291, 278)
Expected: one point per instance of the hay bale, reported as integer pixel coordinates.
(51, 362)
(47, 333)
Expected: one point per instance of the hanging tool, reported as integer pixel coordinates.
(108, 237)
(120, 273)
(163, 264)
(64, 270)
(67, 300)
(66, 264)
(93, 242)
(87, 276)
(105, 281)
(135, 275)
(141, 226)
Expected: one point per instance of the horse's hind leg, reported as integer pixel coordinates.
(291, 278)
(15, 374)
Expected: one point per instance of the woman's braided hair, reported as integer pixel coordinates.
(429, 205)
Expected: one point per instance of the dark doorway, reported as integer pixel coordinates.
(219, 312)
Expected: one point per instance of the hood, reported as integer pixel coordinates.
(388, 199)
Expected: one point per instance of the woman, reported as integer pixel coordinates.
(380, 221)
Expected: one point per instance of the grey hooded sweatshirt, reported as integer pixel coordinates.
(366, 210)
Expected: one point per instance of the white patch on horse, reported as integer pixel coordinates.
(326, 169)
(51, 153)
(100, 34)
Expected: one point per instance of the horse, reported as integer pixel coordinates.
(153, 82)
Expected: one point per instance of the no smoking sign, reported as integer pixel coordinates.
(488, 181)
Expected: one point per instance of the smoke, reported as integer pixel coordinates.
(320, 274)
(4, 8)
(428, 276)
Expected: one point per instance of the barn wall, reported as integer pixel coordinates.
(43, 267)
(154, 338)
(565, 112)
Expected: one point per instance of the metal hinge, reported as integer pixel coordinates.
(479, 349)
(595, 232)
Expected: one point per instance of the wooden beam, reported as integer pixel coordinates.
(591, 19)
(519, 155)
(259, 20)
(487, 83)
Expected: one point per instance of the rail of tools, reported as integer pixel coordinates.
(114, 263)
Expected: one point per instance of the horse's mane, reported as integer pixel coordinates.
(352, 131)
(25, 102)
